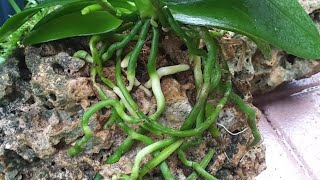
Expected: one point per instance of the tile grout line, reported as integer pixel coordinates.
(289, 149)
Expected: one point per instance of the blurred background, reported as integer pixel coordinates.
(6, 10)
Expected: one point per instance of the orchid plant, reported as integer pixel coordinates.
(113, 24)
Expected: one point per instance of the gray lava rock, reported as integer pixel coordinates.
(8, 75)
(310, 5)
(40, 117)
(46, 116)
(254, 73)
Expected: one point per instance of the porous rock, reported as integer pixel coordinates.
(255, 73)
(46, 122)
(40, 117)
(310, 5)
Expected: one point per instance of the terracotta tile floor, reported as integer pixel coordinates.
(291, 129)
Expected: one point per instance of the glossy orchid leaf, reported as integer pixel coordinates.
(15, 22)
(282, 23)
(73, 24)
(19, 19)
(63, 10)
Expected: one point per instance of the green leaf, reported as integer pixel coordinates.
(16, 21)
(73, 24)
(282, 23)
(63, 10)
(49, 3)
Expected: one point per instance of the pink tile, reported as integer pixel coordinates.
(280, 163)
(296, 119)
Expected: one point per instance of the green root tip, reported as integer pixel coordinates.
(98, 177)
(72, 152)
(85, 11)
(112, 159)
(256, 140)
(215, 133)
